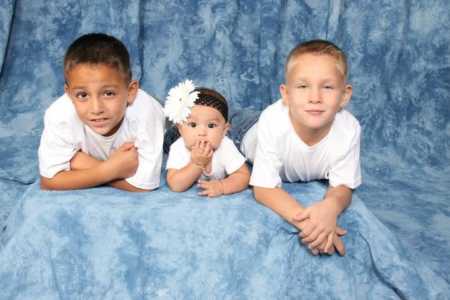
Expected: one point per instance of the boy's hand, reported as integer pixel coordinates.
(332, 244)
(124, 161)
(211, 188)
(201, 153)
(322, 218)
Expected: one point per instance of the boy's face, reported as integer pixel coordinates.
(204, 124)
(315, 90)
(100, 94)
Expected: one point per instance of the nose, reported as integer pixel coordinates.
(96, 106)
(201, 130)
(315, 96)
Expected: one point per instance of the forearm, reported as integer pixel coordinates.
(340, 197)
(78, 179)
(237, 181)
(279, 201)
(182, 179)
(83, 161)
(122, 184)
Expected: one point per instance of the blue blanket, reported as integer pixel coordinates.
(105, 244)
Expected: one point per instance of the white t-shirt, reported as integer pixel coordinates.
(226, 159)
(278, 154)
(65, 134)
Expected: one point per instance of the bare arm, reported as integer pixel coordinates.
(78, 179)
(340, 197)
(83, 161)
(235, 182)
(182, 179)
(279, 201)
(86, 171)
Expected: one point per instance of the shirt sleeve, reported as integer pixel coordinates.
(57, 147)
(149, 142)
(179, 156)
(267, 163)
(347, 171)
(233, 159)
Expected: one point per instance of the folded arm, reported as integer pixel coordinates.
(86, 171)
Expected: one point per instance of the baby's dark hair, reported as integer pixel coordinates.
(98, 48)
(214, 99)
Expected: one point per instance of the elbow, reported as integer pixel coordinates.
(257, 193)
(176, 187)
(46, 184)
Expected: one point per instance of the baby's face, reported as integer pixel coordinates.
(100, 95)
(204, 124)
(315, 90)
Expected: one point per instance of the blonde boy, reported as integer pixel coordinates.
(307, 135)
(104, 129)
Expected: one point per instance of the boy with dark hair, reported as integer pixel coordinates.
(104, 129)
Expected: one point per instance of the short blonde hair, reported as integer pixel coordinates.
(319, 47)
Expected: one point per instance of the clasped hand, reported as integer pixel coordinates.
(319, 231)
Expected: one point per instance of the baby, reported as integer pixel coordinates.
(203, 153)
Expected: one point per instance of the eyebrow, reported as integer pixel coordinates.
(83, 87)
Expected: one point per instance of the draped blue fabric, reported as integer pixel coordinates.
(106, 244)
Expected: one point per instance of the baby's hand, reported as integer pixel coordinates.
(201, 153)
(124, 161)
(322, 216)
(211, 188)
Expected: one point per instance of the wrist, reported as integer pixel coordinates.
(333, 205)
(106, 171)
(222, 186)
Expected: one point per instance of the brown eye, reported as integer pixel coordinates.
(109, 93)
(81, 95)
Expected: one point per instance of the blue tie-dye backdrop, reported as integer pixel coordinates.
(399, 56)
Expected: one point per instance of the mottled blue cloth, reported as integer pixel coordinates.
(107, 244)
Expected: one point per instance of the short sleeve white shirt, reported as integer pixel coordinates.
(226, 159)
(64, 134)
(279, 154)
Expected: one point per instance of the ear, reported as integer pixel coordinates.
(226, 128)
(133, 88)
(66, 88)
(347, 95)
(284, 94)
(180, 128)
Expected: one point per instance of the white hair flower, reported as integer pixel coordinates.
(180, 101)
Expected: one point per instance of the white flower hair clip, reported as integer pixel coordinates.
(179, 101)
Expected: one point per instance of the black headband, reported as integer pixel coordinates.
(207, 98)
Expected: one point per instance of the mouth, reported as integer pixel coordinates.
(99, 122)
(314, 112)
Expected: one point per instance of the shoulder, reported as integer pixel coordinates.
(346, 126)
(178, 145)
(226, 144)
(145, 106)
(275, 119)
(61, 111)
(274, 110)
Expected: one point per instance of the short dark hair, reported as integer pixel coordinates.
(212, 98)
(98, 48)
(319, 47)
